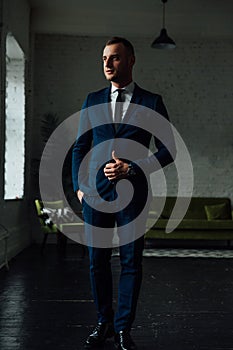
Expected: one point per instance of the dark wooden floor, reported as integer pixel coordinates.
(47, 304)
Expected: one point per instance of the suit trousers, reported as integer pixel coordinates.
(130, 259)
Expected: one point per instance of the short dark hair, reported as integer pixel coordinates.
(125, 42)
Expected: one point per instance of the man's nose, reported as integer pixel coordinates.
(108, 63)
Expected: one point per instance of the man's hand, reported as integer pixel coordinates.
(116, 170)
(80, 195)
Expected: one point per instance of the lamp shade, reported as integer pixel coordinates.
(163, 41)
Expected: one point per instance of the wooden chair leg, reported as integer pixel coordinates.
(43, 243)
(61, 244)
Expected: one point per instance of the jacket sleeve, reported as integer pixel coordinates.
(81, 146)
(165, 153)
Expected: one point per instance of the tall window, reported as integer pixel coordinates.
(15, 120)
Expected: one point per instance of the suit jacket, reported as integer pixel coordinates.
(97, 137)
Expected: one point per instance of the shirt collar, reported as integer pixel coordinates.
(128, 88)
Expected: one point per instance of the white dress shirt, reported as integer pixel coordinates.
(126, 97)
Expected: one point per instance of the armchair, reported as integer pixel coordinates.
(71, 229)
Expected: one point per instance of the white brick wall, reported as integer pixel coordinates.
(15, 130)
(195, 81)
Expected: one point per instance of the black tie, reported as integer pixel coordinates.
(118, 107)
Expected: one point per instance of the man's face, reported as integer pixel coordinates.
(117, 63)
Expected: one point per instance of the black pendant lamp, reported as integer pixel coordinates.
(163, 41)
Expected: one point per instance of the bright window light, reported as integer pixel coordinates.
(15, 121)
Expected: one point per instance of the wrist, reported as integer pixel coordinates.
(131, 170)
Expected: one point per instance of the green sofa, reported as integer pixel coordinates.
(205, 219)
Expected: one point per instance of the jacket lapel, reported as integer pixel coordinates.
(107, 107)
(135, 100)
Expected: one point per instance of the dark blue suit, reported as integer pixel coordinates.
(98, 133)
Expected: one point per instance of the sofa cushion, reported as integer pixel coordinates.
(218, 212)
(187, 224)
(196, 208)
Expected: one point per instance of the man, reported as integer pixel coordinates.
(123, 93)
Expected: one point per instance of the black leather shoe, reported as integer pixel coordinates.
(123, 341)
(98, 336)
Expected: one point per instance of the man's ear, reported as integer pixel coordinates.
(131, 60)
